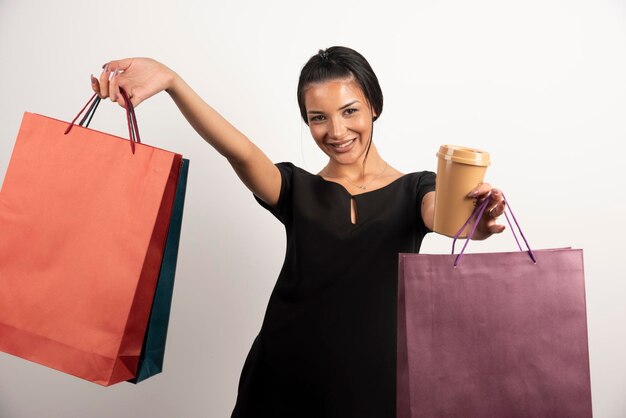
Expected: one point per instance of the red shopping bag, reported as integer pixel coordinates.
(493, 335)
(83, 224)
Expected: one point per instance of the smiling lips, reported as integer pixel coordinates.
(343, 146)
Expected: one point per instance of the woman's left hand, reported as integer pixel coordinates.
(487, 225)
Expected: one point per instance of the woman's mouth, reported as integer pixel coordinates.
(343, 146)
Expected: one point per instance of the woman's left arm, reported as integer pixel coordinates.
(428, 210)
(487, 225)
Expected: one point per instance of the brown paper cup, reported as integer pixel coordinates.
(459, 170)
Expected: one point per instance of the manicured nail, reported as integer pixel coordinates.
(113, 74)
(473, 193)
(93, 79)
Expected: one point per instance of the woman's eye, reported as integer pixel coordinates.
(350, 111)
(317, 118)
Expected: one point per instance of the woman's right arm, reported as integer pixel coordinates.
(144, 77)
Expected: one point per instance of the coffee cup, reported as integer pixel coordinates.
(459, 170)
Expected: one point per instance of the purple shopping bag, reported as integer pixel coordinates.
(493, 335)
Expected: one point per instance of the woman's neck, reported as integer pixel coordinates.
(374, 165)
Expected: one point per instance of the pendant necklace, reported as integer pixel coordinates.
(364, 185)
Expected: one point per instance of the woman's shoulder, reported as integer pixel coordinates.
(416, 182)
(411, 177)
(292, 169)
(293, 175)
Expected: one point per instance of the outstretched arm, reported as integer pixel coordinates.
(144, 77)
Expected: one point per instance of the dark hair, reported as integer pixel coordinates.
(339, 62)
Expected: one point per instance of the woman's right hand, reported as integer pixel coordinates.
(141, 78)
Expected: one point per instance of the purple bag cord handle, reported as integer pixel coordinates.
(476, 215)
(133, 130)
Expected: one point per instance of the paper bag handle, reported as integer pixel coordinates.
(475, 217)
(94, 101)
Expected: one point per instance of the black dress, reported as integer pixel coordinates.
(327, 346)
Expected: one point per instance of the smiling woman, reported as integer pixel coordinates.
(327, 346)
(344, 133)
(340, 98)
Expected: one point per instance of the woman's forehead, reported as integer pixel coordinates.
(332, 92)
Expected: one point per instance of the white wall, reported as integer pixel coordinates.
(540, 84)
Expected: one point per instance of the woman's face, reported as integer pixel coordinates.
(340, 119)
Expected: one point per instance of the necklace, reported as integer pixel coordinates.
(364, 185)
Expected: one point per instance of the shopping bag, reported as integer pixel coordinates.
(83, 224)
(153, 349)
(493, 335)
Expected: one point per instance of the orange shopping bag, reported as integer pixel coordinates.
(83, 224)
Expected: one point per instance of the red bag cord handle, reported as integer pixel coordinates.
(133, 129)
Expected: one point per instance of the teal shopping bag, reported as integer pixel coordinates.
(153, 350)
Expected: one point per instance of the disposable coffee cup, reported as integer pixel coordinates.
(459, 170)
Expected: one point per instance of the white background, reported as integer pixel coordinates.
(540, 84)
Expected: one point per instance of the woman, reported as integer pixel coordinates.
(327, 345)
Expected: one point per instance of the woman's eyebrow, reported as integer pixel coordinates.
(319, 112)
(348, 104)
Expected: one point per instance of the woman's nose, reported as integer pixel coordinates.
(336, 129)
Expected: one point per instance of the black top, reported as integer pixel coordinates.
(327, 346)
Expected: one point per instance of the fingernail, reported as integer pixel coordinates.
(106, 67)
(93, 79)
(473, 193)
